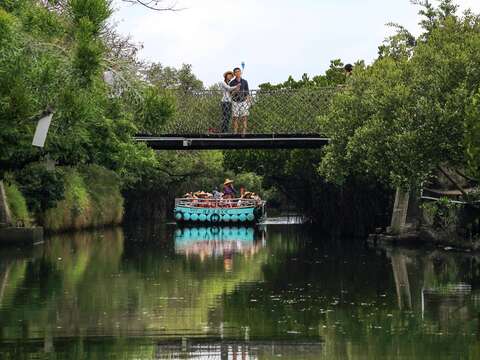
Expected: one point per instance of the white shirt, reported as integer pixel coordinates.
(227, 89)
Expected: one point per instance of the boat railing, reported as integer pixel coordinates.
(218, 203)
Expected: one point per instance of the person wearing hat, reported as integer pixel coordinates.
(227, 100)
(229, 191)
(203, 198)
(248, 195)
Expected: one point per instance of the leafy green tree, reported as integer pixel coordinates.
(406, 114)
(53, 55)
(167, 77)
(335, 75)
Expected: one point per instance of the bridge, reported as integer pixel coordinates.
(277, 119)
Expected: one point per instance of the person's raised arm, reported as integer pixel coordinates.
(228, 87)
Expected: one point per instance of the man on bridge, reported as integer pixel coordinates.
(240, 101)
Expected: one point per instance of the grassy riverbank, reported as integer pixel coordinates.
(91, 197)
(17, 204)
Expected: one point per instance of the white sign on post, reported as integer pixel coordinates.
(42, 130)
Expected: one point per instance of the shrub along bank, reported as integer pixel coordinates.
(80, 198)
(17, 204)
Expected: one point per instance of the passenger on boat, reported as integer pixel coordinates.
(203, 198)
(244, 195)
(229, 191)
(248, 195)
(217, 194)
(242, 191)
(252, 196)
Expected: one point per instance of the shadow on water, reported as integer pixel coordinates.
(160, 292)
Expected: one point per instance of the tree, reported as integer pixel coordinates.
(406, 114)
(53, 55)
(335, 75)
(170, 78)
(156, 5)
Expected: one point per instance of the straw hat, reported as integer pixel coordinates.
(201, 194)
(228, 181)
(227, 73)
(248, 195)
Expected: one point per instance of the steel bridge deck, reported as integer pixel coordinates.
(232, 141)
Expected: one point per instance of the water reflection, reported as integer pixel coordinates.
(220, 242)
(235, 293)
(206, 349)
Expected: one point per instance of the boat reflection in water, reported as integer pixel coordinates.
(219, 242)
(229, 349)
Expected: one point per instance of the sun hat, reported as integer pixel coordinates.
(201, 193)
(227, 73)
(228, 181)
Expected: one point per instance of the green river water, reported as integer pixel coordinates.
(275, 292)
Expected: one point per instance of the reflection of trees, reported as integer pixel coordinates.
(91, 284)
(309, 301)
(86, 284)
(11, 274)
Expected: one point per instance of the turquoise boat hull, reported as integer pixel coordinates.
(186, 214)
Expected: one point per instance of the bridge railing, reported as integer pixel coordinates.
(218, 203)
(289, 111)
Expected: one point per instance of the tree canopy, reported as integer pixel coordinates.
(414, 109)
(65, 57)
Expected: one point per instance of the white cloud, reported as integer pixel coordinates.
(276, 38)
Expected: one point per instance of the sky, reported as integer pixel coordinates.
(275, 38)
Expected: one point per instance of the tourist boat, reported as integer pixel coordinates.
(214, 211)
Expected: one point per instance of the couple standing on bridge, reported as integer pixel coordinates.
(236, 101)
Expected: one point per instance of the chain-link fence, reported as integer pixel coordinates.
(289, 111)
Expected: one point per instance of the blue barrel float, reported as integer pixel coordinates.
(219, 211)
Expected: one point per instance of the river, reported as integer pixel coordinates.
(278, 291)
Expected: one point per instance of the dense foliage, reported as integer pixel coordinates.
(414, 109)
(392, 123)
(63, 56)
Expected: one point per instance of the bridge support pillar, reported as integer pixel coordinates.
(400, 210)
(5, 215)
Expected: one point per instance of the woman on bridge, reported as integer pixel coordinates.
(227, 100)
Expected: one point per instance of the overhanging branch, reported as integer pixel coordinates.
(154, 5)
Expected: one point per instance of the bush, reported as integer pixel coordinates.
(104, 189)
(42, 188)
(92, 198)
(71, 212)
(442, 214)
(17, 204)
